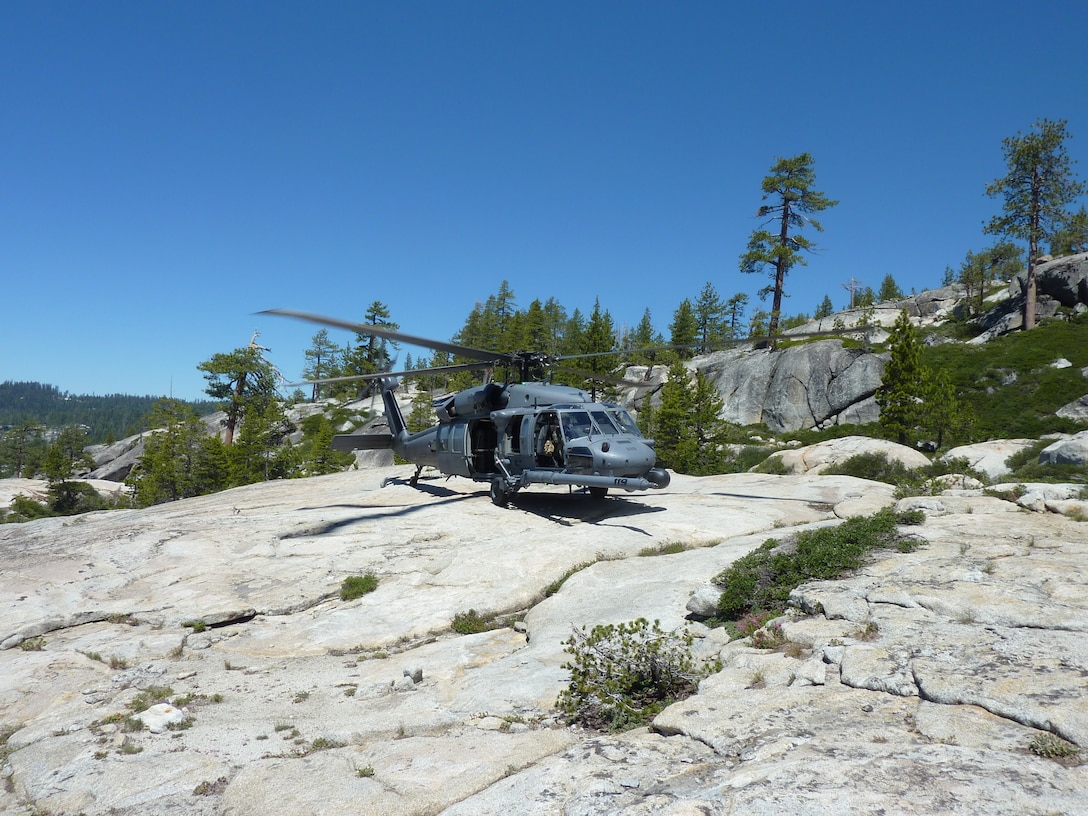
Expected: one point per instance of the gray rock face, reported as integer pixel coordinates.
(809, 386)
(1076, 410)
(922, 679)
(1072, 450)
(1062, 282)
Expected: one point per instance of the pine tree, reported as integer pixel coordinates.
(243, 380)
(1072, 237)
(825, 309)
(599, 336)
(177, 463)
(942, 412)
(790, 186)
(320, 361)
(684, 328)
(903, 389)
(1035, 192)
(314, 453)
(734, 314)
(688, 431)
(889, 290)
(709, 315)
(22, 450)
(422, 414)
(259, 453)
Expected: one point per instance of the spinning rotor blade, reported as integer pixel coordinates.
(605, 378)
(496, 357)
(380, 374)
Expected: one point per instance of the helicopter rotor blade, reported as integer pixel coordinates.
(496, 357)
(418, 372)
(605, 378)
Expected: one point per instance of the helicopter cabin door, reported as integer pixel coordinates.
(482, 442)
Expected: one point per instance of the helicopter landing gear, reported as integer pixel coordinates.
(500, 496)
(414, 480)
(598, 492)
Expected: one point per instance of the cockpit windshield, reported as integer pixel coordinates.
(579, 423)
(623, 419)
(604, 422)
(576, 424)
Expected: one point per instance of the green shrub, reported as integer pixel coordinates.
(763, 579)
(1025, 467)
(876, 467)
(149, 697)
(747, 457)
(772, 465)
(355, 586)
(472, 622)
(1050, 746)
(622, 676)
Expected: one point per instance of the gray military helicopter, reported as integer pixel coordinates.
(511, 435)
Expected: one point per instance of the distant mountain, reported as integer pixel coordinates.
(113, 416)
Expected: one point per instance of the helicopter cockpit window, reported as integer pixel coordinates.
(577, 424)
(623, 419)
(605, 423)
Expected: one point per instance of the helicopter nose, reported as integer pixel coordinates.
(624, 457)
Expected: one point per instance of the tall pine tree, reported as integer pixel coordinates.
(793, 200)
(903, 389)
(1034, 193)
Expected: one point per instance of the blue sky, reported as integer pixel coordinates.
(170, 168)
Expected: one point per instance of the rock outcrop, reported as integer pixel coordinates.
(812, 385)
(820, 456)
(920, 684)
(1059, 283)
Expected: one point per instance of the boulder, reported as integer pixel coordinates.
(1072, 450)
(989, 458)
(819, 457)
(1077, 410)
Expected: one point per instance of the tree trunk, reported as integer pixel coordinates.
(1033, 250)
(780, 271)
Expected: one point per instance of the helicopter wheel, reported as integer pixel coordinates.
(499, 495)
(598, 492)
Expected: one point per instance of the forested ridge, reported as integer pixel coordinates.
(106, 418)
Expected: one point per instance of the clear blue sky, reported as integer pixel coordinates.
(171, 168)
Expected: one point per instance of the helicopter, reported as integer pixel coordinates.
(510, 435)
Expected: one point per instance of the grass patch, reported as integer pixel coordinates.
(1009, 383)
(763, 579)
(149, 697)
(472, 622)
(355, 586)
(668, 548)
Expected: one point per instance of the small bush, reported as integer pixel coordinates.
(622, 676)
(876, 467)
(149, 697)
(1050, 746)
(472, 622)
(355, 586)
(33, 644)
